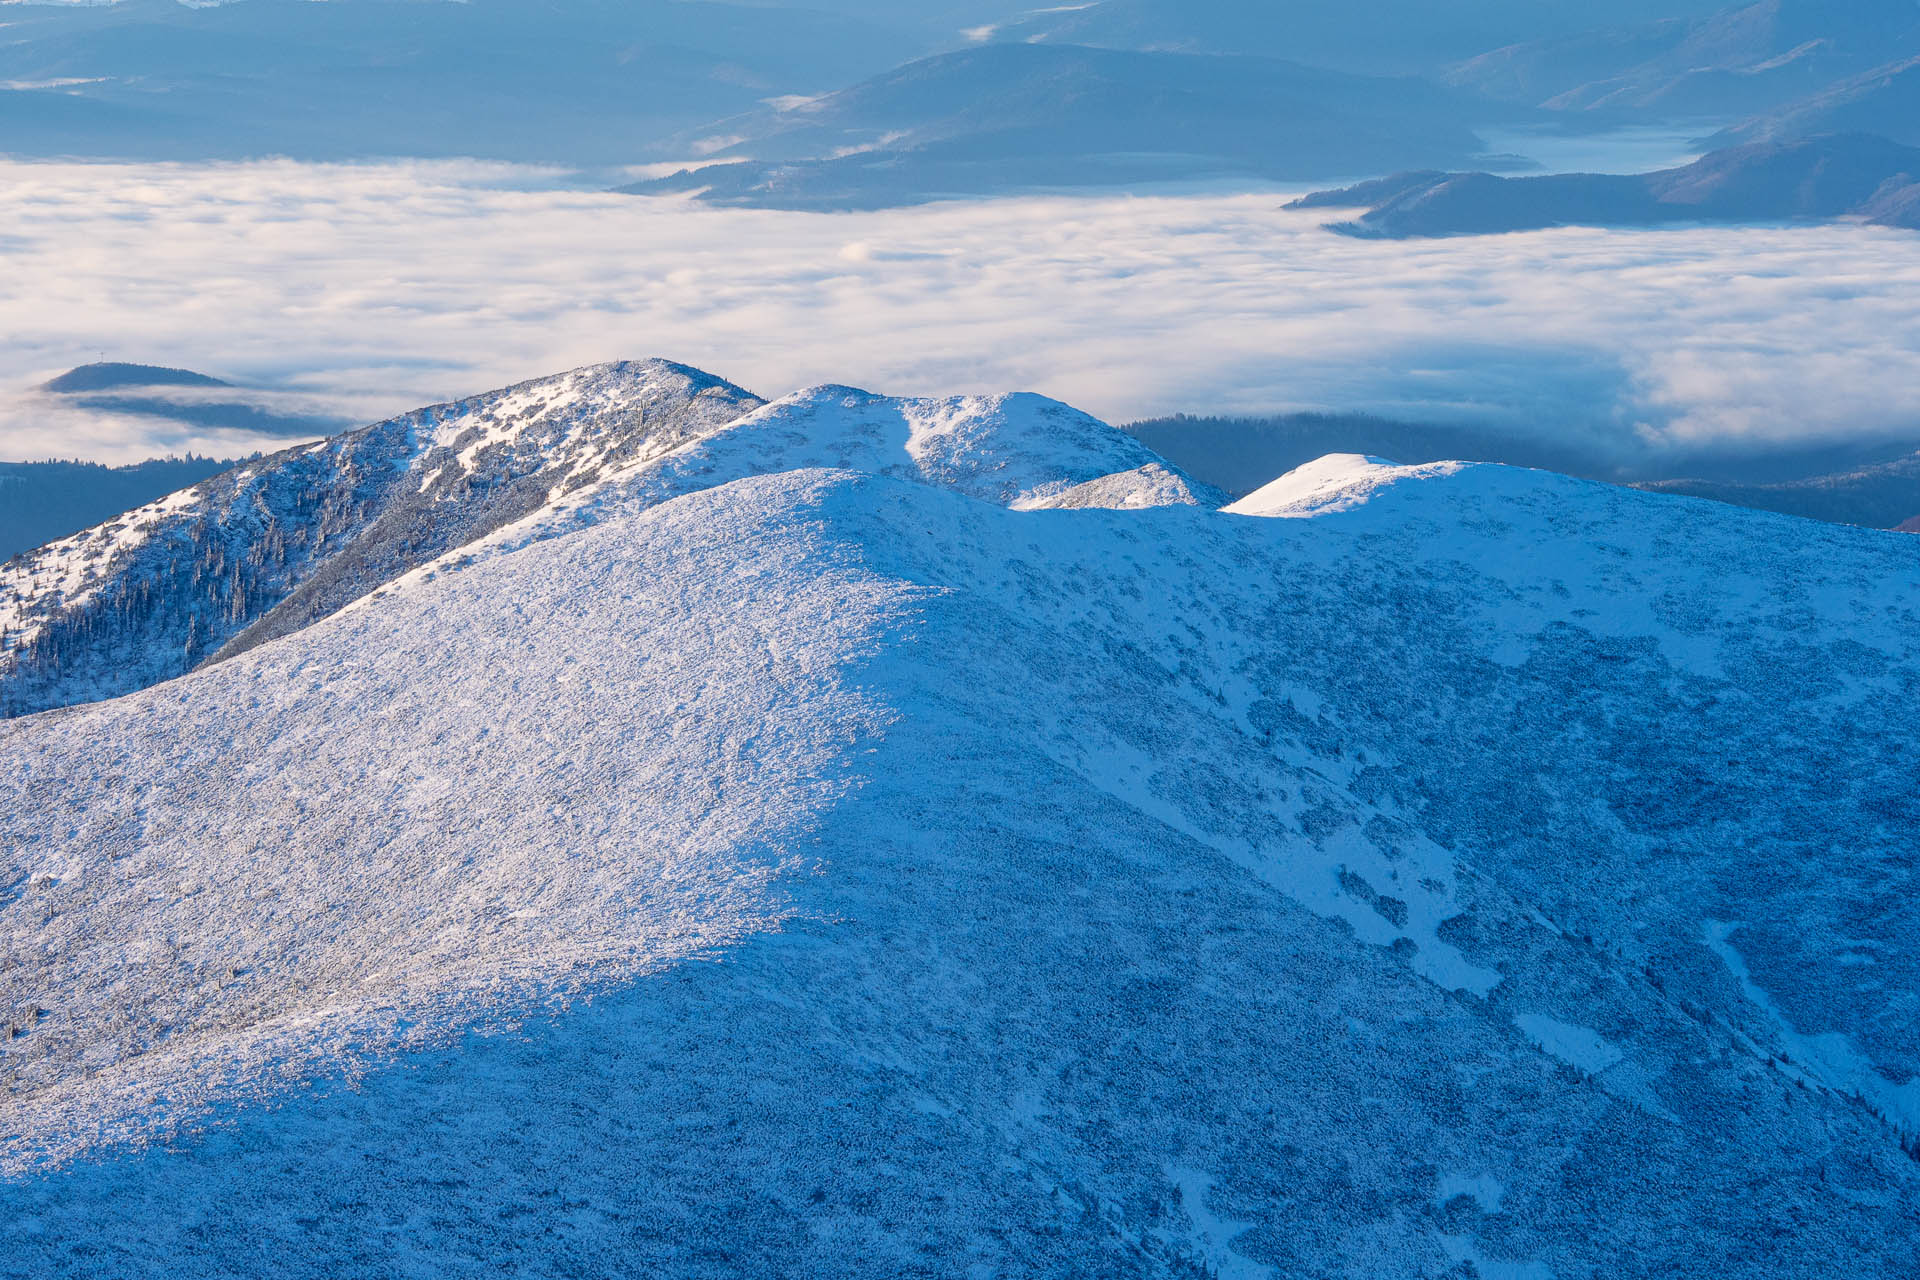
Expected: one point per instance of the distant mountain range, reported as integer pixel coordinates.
(863, 837)
(581, 82)
(1740, 60)
(1884, 100)
(1136, 91)
(1787, 68)
(784, 105)
(1408, 36)
(1013, 117)
(1854, 176)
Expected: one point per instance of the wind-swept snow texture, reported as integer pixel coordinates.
(263, 550)
(842, 871)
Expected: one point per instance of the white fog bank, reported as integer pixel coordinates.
(375, 288)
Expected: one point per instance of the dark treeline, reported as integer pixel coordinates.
(42, 501)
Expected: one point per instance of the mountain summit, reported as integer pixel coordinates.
(114, 375)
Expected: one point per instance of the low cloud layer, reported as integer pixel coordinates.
(371, 289)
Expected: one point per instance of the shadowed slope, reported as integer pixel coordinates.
(1489, 868)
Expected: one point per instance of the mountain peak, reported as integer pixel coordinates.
(113, 375)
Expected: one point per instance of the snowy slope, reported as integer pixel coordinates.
(1337, 482)
(267, 548)
(1491, 869)
(1013, 449)
(1022, 451)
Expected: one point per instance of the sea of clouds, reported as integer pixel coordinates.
(370, 289)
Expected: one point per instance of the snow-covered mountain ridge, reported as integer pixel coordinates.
(1021, 451)
(1483, 873)
(260, 551)
(249, 556)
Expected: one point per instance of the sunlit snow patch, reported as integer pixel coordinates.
(1337, 482)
